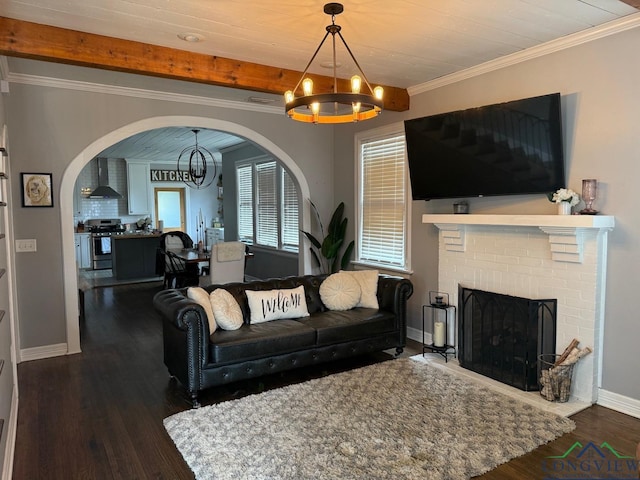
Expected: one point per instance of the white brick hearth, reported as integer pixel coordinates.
(537, 257)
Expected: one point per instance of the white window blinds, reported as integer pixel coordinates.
(245, 203)
(290, 232)
(268, 203)
(383, 205)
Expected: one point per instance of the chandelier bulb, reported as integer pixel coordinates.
(356, 84)
(307, 86)
(378, 92)
(356, 110)
(288, 96)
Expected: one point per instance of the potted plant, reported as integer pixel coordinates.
(326, 252)
(565, 198)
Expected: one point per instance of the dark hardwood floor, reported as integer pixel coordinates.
(98, 414)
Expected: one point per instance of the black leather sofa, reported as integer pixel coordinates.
(200, 360)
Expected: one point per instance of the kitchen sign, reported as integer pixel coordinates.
(169, 175)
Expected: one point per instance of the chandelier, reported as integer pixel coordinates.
(197, 174)
(335, 107)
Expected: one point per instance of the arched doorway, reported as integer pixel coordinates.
(73, 170)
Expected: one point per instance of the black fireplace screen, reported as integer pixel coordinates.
(502, 336)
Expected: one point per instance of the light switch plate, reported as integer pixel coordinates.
(26, 245)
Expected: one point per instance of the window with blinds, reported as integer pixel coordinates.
(290, 230)
(382, 185)
(267, 205)
(244, 175)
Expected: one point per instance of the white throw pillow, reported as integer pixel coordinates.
(340, 291)
(201, 297)
(225, 309)
(368, 281)
(267, 305)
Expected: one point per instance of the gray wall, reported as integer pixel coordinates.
(50, 125)
(599, 86)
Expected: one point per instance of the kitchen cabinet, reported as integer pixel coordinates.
(214, 235)
(138, 188)
(134, 256)
(83, 249)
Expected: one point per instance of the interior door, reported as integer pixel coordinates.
(170, 208)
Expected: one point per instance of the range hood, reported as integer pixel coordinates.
(104, 190)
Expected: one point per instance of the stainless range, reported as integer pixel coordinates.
(101, 231)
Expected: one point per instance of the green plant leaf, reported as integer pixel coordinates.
(346, 257)
(316, 258)
(330, 248)
(326, 250)
(314, 241)
(336, 219)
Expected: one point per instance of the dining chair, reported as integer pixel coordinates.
(178, 273)
(226, 263)
(168, 240)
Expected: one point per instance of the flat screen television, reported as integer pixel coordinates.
(510, 148)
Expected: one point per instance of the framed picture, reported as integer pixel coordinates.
(36, 190)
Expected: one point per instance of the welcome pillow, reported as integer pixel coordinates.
(368, 281)
(340, 291)
(277, 304)
(225, 309)
(201, 297)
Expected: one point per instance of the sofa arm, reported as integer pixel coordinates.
(393, 293)
(177, 308)
(185, 336)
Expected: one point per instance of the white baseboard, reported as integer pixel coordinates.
(11, 429)
(416, 334)
(46, 351)
(619, 403)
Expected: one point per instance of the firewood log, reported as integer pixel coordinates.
(574, 343)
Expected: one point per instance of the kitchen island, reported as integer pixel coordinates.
(134, 255)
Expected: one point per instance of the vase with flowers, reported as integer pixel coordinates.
(565, 198)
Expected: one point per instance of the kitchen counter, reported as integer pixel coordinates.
(134, 255)
(128, 235)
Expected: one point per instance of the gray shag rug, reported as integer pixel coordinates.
(399, 419)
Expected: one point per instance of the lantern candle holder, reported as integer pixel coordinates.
(437, 312)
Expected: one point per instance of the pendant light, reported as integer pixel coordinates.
(198, 173)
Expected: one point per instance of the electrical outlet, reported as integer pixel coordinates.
(26, 245)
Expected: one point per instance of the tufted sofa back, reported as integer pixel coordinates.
(311, 285)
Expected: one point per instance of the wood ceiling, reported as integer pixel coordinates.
(261, 45)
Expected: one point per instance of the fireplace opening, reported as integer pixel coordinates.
(502, 336)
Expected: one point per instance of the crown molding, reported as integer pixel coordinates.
(37, 80)
(617, 26)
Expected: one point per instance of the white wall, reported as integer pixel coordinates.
(599, 86)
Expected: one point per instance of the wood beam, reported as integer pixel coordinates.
(53, 44)
(632, 3)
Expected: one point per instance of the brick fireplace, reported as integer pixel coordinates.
(535, 256)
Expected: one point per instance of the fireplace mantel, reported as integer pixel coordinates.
(565, 231)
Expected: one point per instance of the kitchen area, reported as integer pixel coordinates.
(117, 233)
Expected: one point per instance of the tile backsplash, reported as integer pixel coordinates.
(104, 208)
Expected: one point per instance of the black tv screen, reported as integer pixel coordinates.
(510, 148)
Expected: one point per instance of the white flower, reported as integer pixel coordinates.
(566, 195)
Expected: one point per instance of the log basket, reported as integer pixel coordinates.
(555, 380)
